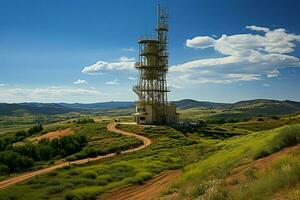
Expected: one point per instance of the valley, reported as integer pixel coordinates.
(211, 158)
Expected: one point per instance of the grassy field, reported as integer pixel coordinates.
(238, 112)
(99, 141)
(170, 150)
(209, 178)
(219, 160)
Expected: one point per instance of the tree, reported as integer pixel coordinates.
(35, 129)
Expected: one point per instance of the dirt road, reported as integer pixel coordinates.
(111, 127)
(149, 190)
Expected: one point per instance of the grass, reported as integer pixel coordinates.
(283, 173)
(207, 162)
(170, 150)
(206, 177)
(101, 141)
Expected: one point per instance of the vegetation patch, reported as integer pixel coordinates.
(170, 150)
(206, 178)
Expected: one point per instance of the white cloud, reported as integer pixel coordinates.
(257, 28)
(56, 91)
(266, 85)
(132, 78)
(80, 81)
(48, 94)
(3, 85)
(172, 85)
(114, 82)
(200, 42)
(126, 59)
(128, 49)
(243, 57)
(123, 63)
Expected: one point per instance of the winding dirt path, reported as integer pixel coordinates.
(149, 190)
(111, 127)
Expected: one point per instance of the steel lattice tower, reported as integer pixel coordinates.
(152, 67)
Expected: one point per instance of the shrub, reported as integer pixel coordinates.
(261, 154)
(14, 161)
(35, 129)
(85, 121)
(91, 152)
(102, 182)
(85, 193)
(21, 134)
(3, 169)
(69, 196)
(90, 175)
(55, 189)
(52, 174)
(287, 137)
(74, 173)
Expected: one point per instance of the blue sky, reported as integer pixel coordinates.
(83, 51)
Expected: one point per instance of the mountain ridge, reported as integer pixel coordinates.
(261, 105)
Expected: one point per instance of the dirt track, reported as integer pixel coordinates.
(110, 127)
(239, 173)
(149, 190)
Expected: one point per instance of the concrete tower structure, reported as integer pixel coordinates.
(152, 106)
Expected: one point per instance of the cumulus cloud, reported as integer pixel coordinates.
(123, 63)
(257, 28)
(48, 94)
(56, 91)
(2, 85)
(128, 49)
(114, 82)
(243, 57)
(80, 81)
(132, 78)
(200, 42)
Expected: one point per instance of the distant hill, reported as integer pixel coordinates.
(190, 103)
(240, 109)
(101, 105)
(266, 107)
(33, 108)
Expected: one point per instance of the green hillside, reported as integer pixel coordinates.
(242, 110)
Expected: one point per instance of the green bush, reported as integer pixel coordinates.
(84, 193)
(34, 130)
(55, 189)
(3, 169)
(14, 161)
(85, 121)
(287, 137)
(90, 175)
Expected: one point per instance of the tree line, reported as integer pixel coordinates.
(14, 158)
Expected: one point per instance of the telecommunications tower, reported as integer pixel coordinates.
(152, 106)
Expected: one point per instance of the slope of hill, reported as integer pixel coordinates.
(264, 107)
(188, 107)
(262, 165)
(33, 108)
(101, 105)
(190, 103)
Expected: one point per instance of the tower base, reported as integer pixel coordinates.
(147, 113)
